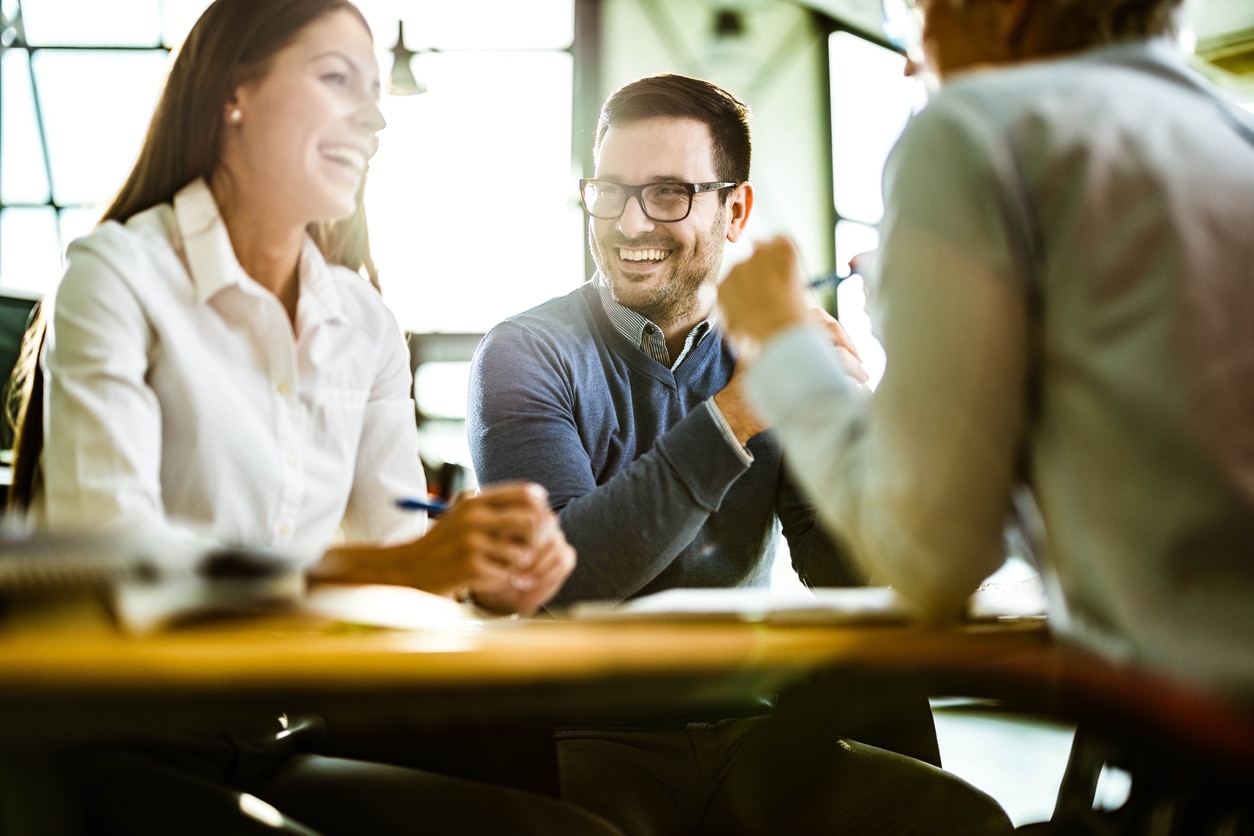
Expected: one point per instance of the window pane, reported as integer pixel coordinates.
(91, 22)
(23, 176)
(473, 24)
(851, 296)
(30, 254)
(178, 17)
(871, 100)
(467, 228)
(81, 93)
(853, 239)
(75, 223)
(441, 389)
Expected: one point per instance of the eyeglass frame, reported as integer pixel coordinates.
(637, 192)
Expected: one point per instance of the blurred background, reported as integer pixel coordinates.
(472, 197)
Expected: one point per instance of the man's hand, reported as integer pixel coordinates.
(733, 402)
(845, 349)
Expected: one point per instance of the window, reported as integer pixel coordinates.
(472, 200)
(871, 101)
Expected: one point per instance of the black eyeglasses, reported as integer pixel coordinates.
(661, 202)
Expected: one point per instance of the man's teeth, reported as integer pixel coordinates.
(344, 154)
(642, 255)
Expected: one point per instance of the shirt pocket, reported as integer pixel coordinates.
(337, 416)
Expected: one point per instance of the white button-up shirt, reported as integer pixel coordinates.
(178, 398)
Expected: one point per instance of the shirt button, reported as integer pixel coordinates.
(290, 458)
(285, 389)
(285, 529)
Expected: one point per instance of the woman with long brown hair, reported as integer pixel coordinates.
(218, 368)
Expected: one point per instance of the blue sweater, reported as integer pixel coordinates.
(650, 492)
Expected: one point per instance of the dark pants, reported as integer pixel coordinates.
(797, 771)
(255, 783)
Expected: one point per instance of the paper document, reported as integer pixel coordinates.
(852, 605)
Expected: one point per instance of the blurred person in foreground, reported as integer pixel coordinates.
(1066, 300)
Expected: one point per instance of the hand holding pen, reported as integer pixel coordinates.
(768, 293)
(520, 558)
(433, 505)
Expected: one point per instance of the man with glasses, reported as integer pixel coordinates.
(624, 400)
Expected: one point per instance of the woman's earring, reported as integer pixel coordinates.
(235, 115)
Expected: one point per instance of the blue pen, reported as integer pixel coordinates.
(431, 505)
(827, 280)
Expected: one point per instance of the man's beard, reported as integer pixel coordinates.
(679, 296)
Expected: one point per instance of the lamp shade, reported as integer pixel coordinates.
(401, 81)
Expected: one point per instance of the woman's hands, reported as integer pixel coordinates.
(503, 544)
(766, 294)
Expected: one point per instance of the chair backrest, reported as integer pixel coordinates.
(24, 409)
(440, 363)
(15, 318)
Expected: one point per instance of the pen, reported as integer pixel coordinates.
(430, 504)
(827, 280)
(858, 265)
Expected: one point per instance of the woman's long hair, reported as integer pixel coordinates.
(232, 43)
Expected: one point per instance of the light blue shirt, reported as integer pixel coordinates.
(1066, 301)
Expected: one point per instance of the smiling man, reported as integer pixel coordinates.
(625, 402)
(622, 397)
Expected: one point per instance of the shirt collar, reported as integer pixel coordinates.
(212, 264)
(642, 332)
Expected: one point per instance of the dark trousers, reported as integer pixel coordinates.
(820, 763)
(282, 781)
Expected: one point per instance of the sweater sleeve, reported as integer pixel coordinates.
(819, 556)
(522, 423)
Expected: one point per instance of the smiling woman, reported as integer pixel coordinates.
(218, 371)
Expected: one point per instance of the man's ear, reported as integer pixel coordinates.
(740, 205)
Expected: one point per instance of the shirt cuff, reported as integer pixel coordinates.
(795, 367)
(726, 430)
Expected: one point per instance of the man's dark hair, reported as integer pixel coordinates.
(681, 96)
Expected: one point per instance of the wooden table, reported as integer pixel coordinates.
(77, 679)
(70, 680)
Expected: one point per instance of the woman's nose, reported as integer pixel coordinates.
(372, 117)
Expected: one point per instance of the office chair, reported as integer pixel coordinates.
(1188, 757)
(24, 407)
(440, 407)
(15, 319)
